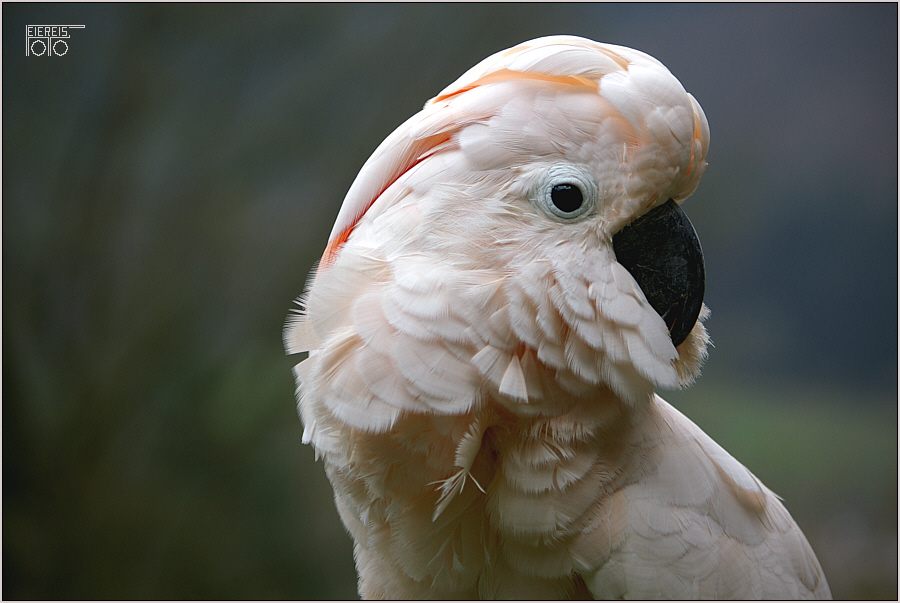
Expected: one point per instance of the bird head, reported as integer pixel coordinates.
(549, 175)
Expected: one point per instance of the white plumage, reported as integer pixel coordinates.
(481, 372)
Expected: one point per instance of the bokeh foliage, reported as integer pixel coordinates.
(168, 184)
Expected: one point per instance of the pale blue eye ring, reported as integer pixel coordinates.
(566, 193)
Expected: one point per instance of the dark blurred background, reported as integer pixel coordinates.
(169, 182)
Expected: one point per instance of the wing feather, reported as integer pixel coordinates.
(699, 524)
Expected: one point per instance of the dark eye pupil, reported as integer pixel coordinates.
(566, 197)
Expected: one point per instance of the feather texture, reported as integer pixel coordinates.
(481, 372)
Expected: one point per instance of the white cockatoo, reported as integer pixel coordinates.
(508, 281)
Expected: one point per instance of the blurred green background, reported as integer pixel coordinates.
(169, 182)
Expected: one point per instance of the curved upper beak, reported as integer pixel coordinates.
(662, 252)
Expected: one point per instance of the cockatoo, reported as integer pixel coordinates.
(508, 281)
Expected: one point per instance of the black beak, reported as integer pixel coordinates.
(662, 252)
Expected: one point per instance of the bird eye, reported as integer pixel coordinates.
(565, 192)
(566, 197)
